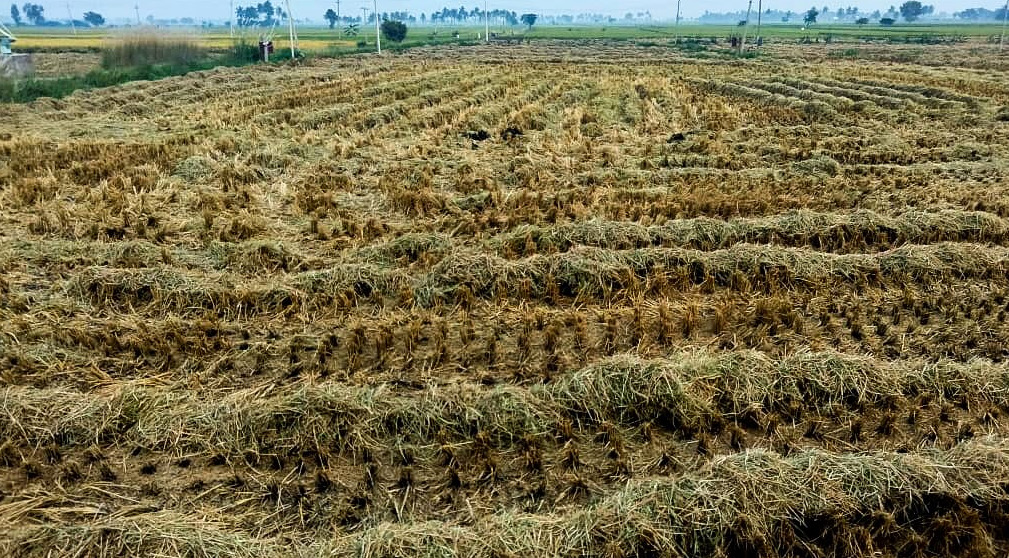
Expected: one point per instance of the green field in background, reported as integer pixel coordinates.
(318, 39)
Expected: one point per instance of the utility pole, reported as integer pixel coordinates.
(338, 12)
(73, 27)
(292, 34)
(486, 23)
(378, 33)
(1005, 17)
(760, 4)
(231, 19)
(677, 33)
(746, 23)
(137, 8)
(364, 19)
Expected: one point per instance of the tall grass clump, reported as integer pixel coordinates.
(151, 49)
(243, 52)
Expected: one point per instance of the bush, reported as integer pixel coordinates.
(243, 51)
(395, 31)
(19, 91)
(149, 49)
(887, 21)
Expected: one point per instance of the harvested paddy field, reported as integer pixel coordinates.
(549, 300)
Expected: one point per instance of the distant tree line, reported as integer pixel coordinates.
(461, 15)
(457, 16)
(909, 11)
(263, 14)
(981, 14)
(446, 16)
(849, 14)
(34, 14)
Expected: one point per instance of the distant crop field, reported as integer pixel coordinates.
(565, 298)
(769, 29)
(96, 39)
(321, 39)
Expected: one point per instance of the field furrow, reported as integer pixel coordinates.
(549, 299)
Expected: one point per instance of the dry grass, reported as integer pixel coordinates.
(751, 500)
(51, 65)
(726, 507)
(146, 49)
(548, 300)
(683, 392)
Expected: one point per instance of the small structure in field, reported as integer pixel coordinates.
(12, 65)
(6, 40)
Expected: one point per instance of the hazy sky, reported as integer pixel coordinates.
(219, 10)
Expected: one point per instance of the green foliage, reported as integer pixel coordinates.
(24, 90)
(260, 15)
(528, 20)
(34, 13)
(846, 53)
(887, 21)
(810, 17)
(94, 19)
(862, 21)
(395, 31)
(913, 9)
(330, 16)
(31, 89)
(242, 52)
(15, 14)
(691, 45)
